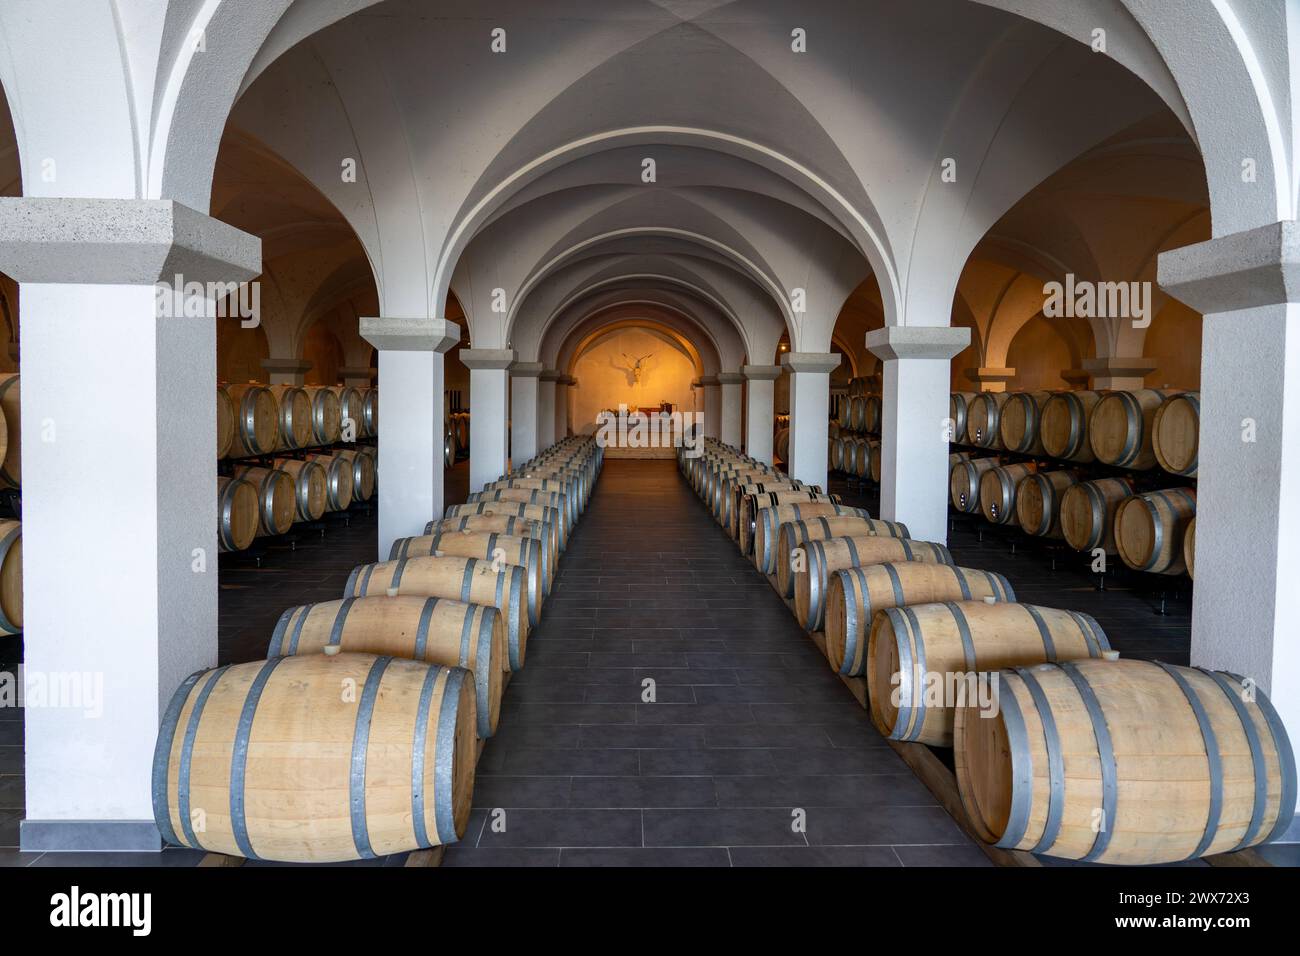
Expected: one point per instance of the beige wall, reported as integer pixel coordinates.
(604, 380)
(1173, 344)
(1039, 355)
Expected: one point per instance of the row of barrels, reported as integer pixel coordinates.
(1137, 430)
(1060, 748)
(859, 413)
(256, 500)
(1153, 531)
(255, 419)
(456, 430)
(359, 735)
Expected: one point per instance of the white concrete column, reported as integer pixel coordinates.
(1246, 603)
(546, 408)
(119, 496)
(286, 371)
(524, 410)
(489, 385)
(810, 405)
(760, 418)
(914, 440)
(730, 385)
(411, 416)
(711, 395)
(358, 376)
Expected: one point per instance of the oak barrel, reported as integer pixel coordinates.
(311, 489)
(563, 486)
(225, 422)
(502, 524)
(771, 501)
(363, 471)
(432, 630)
(448, 444)
(257, 424)
(792, 534)
(1038, 501)
(11, 465)
(276, 497)
(529, 496)
(857, 595)
(1189, 547)
(964, 482)
(514, 509)
(11, 576)
(1119, 428)
(326, 415)
(781, 444)
(918, 656)
(1149, 529)
(997, 495)
(982, 418)
(1175, 433)
(767, 526)
(1126, 762)
(317, 759)
(238, 513)
(469, 580)
(351, 411)
(1088, 513)
(1019, 421)
(1063, 426)
(490, 546)
(739, 502)
(370, 411)
(958, 406)
(338, 480)
(823, 558)
(293, 416)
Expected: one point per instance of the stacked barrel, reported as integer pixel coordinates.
(359, 734)
(1092, 468)
(1060, 747)
(11, 529)
(854, 441)
(293, 453)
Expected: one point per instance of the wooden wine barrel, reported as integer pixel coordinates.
(964, 482)
(225, 422)
(958, 409)
(11, 466)
(11, 576)
(510, 509)
(873, 460)
(432, 630)
(1189, 547)
(500, 524)
(982, 418)
(566, 489)
(781, 444)
(277, 497)
(311, 486)
(998, 491)
(767, 526)
(793, 534)
(910, 648)
(862, 457)
(1063, 425)
(1088, 513)
(1149, 529)
(857, 413)
(257, 422)
(1119, 428)
(469, 580)
(956, 456)
(338, 480)
(739, 504)
(363, 472)
(823, 558)
(370, 411)
(756, 505)
(1019, 421)
(872, 412)
(490, 546)
(1176, 433)
(278, 762)
(462, 430)
(293, 417)
(350, 410)
(1038, 502)
(529, 496)
(578, 478)
(857, 595)
(449, 447)
(326, 414)
(1125, 762)
(238, 513)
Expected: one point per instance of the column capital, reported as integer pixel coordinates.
(287, 366)
(392, 334)
(121, 242)
(551, 375)
(360, 371)
(527, 370)
(704, 381)
(811, 361)
(730, 378)
(989, 376)
(918, 341)
(487, 358)
(565, 380)
(1243, 270)
(1122, 372)
(761, 373)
